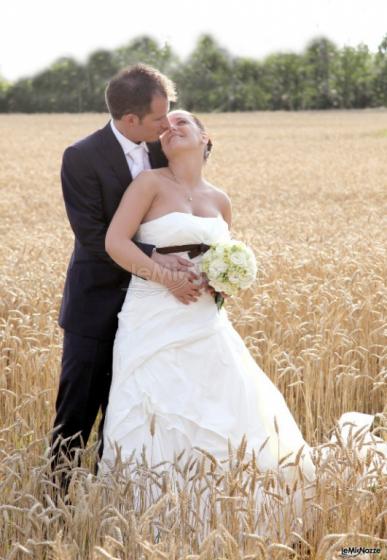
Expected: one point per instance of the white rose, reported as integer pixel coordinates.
(217, 267)
(234, 278)
(238, 259)
(218, 286)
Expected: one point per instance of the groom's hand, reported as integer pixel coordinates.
(183, 285)
(172, 262)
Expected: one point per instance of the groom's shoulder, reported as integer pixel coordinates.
(91, 141)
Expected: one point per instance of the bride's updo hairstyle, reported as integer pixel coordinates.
(201, 126)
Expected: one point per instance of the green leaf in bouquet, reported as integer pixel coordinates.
(219, 300)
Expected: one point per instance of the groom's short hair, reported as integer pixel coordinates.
(133, 88)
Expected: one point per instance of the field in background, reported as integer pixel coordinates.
(309, 194)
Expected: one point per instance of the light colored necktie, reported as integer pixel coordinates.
(140, 159)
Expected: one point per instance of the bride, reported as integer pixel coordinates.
(182, 376)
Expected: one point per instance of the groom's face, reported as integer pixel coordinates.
(154, 123)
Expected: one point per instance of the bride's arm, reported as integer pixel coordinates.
(225, 208)
(134, 204)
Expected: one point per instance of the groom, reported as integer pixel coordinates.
(95, 173)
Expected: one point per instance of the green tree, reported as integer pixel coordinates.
(4, 88)
(61, 88)
(146, 50)
(354, 77)
(100, 67)
(20, 97)
(380, 79)
(320, 62)
(205, 80)
(248, 86)
(284, 78)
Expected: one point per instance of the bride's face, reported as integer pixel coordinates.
(183, 134)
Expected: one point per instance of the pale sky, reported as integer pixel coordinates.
(34, 33)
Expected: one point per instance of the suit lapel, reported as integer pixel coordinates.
(112, 151)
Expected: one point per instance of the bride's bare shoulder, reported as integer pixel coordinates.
(222, 202)
(150, 179)
(219, 196)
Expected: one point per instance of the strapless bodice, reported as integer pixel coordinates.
(181, 228)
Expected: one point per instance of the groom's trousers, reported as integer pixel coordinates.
(83, 390)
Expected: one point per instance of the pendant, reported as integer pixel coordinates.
(190, 198)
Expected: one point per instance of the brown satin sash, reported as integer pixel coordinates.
(193, 250)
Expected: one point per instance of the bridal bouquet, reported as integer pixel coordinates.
(230, 266)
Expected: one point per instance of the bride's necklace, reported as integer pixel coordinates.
(188, 193)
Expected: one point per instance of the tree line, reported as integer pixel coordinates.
(323, 76)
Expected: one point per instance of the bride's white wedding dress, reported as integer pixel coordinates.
(185, 369)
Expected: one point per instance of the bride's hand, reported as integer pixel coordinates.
(172, 262)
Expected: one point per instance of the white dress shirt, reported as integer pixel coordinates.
(137, 155)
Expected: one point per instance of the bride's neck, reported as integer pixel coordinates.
(187, 169)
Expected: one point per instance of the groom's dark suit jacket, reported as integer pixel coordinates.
(95, 174)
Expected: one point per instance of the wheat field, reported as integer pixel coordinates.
(309, 195)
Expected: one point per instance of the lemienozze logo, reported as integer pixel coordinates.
(353, 551)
